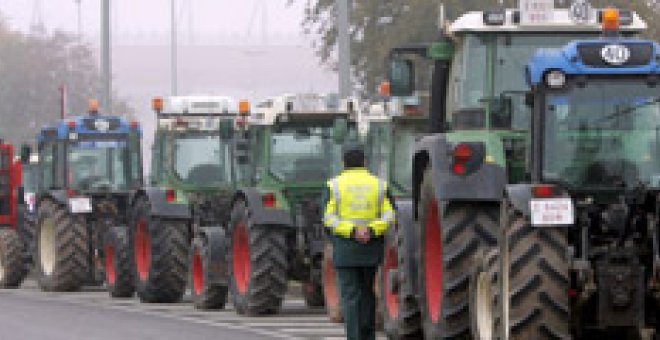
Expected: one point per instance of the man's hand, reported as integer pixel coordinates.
(363, 235)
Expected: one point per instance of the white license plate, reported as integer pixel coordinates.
(80, 205)
(552, 212)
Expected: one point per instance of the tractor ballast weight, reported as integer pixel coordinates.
(180, 218)
(90, 168)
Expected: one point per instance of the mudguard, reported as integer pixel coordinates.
(218, 248)
(519, 196)
(485, 184)
(405, 222)
(261, 215)
(161, 207)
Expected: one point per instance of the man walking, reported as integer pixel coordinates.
(358, 214)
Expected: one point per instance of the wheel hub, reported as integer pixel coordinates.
(47, 246)
(241, 261)
(142, 250)
(198, 273)
(433, 263)
(110, 272)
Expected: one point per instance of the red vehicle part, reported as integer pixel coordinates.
(10, 180)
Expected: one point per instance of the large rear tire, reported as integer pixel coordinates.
(62, 248)
(258, 264)
(161, 249)
(12, 266)
(534, 275)
(26, 229)
(118, 264)
(206, 295)
(451, 233)
(330, 287)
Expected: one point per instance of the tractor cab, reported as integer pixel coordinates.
(192, 149)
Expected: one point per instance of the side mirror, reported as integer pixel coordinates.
(242, 149)
(401, 76)
(25, 153)
(340, 130)
(226, 129)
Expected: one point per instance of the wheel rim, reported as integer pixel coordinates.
(110, 271)
(484, 307)
(47, 246)
(389, 267)
(142, 250)
(198, 273)
(433, 263)
(241, 261)
(330, 284)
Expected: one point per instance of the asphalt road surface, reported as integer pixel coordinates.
(29, 313)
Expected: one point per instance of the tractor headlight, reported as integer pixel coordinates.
(555, 79)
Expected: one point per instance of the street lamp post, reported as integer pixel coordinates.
(343, 48)
(174, 65)
(106, 68)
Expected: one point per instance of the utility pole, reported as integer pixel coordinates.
(106, 67)
(79, 5)
(344, 48)
(174, 66)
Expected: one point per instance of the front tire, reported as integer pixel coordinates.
(258, 264)
(161, 249)
(118, 265)
(535, 277)
(451, 233)
(12, 267)
(62, 248)
(206, 295)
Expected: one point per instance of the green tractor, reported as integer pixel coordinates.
(89, 169)
(180, 218)
(291, 146)
(480, 143)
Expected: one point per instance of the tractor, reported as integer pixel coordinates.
(180, 218)
(27, 212)
(13, 268)
(578, 253)
(88, 171)
(288, 149)
(479, 143)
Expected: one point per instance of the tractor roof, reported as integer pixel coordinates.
(304, 106)
(561, 20)
(590, 57)
(89, 126)
(198, 106)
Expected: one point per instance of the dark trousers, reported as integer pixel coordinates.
(358, 301)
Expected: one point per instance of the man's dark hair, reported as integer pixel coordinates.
(354, 159)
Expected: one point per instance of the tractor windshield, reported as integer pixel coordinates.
(304, 153)
(202, 159)
(99, 165)
(603, 133)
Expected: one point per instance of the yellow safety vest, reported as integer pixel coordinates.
(358, 198)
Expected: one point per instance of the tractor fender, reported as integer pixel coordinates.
(261, 215)
(485, 184)
(218, 247)
(519, 196)
(160, 206)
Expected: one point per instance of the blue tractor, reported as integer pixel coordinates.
(88, 171)
(578, 247)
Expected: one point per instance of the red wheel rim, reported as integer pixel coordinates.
(142, 250)
(110, 272)
(433, 263)
(330, 284)
(390, 264)
(198, 273)
(241, 261)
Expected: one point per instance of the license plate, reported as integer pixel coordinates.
(80, 205)
(552, 212)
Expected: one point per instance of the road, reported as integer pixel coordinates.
(29, 313)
